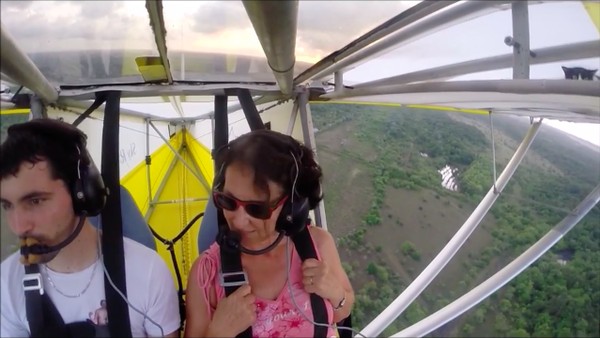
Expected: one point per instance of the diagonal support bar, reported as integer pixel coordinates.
(183, 161)
(250, 111)
(400, 304)
(18, 66)
(394, 24)
(157, 21)
(485, 289)
(438, 21)
(308, 133)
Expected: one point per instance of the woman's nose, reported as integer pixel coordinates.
(240, 218)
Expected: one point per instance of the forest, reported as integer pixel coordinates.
(402, 150)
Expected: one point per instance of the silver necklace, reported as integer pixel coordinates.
(65, 294)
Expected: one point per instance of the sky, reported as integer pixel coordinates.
(323, 27)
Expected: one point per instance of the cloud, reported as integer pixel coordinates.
(15, 6)
(214, 17)
(325, 26)
(60, 25)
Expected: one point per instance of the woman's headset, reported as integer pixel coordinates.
(293, 217)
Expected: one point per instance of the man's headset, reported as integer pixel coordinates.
(293, 217)
(88, 194)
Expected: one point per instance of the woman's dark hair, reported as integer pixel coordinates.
(44, 139)
(272, 156)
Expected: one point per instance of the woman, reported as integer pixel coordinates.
(260, 171)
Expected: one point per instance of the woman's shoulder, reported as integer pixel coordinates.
(321, 237)
(207, 262)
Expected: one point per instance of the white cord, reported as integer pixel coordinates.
(295, 178)
(162, 333)
(289, 284)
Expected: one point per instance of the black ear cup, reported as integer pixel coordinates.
(293, 216)
(89, 193)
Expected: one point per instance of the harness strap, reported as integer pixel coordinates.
(34, 291)
(306, 249)
(43, 317)
(232, 277)
(112, 226)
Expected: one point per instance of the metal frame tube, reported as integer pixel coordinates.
(338, 80)
(309, 141)
(275, 24)
(520, 86)
(428, 25)
(502, 277)
(197, 199)
(401, 20)
(574, 51)
(157, 22)
(19, 67)
(37, 107)
(293, 117)
(152, 90)
(387, 316)
(148, 159)
(161, 187)
(521, 52)
(183, 161)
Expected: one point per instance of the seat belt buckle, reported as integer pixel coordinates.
(33, 282)
(238, 278)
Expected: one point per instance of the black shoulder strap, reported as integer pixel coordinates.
(306, 249)
(112, 229)
(43, 317)
(346, 322)
(34, 291)
(232, 277)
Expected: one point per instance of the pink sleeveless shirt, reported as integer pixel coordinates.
(275, 318)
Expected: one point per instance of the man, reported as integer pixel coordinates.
(46, 175)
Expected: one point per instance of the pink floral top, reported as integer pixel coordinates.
(275, 318)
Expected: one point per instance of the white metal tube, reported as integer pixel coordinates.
(485, 289)
(387, 316)
(519, 86)
(19, 67)
(293, 117)
(308, 132)
(407, 17)
(451, 16)
(157, 22)
(275, 24)
(521, 52)
(574, 51)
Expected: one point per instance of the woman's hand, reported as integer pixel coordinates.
(234, 314)
(317, 278)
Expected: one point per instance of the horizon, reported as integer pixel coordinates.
(589, 132)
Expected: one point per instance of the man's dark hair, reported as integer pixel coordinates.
(44, 139)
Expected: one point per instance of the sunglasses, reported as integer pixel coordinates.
(260, 210)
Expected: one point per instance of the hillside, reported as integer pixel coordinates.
(391, 216)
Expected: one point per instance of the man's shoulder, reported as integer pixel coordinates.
(136, 253)
(133, 250)
(10, 266)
